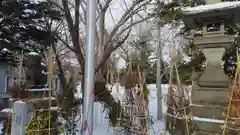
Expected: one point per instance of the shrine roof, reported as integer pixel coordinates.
(210, 7)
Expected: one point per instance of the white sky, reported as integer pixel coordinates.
(117, 9)
(168, 35)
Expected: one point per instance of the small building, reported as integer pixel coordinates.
(6, 76)
(10, 73)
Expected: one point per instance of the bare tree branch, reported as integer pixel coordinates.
(110, 12)
(65, 43)
(106, 5)
(111, 49)
(99, 4)
(125, 56)
(125, 3)
(123, 19)
(134, 23)
(62, 55)
(73, 32)
(84, 12)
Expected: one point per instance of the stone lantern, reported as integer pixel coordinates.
(210, 94)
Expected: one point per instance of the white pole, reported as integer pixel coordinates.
(159, 65)
(88, 98)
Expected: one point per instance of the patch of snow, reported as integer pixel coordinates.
(6, 40)
(211, 7)
(6, 110)
(121, 63)
(78, 93)
(43, 64)
(101, 123)
(33, 53)
(20, 101)
(71, 61)
(5, 50)
(40, 89)
(17, 35)
(43, 72)
(30, 11)
(117, 91)
(208, 120)
(153, 99)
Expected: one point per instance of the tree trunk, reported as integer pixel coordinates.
(103, 95)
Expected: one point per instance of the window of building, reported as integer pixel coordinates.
(7, 83)
(213, 27)
(198, 2)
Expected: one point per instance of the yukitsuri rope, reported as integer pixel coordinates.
(231, 95)
(49, 84)
(173, 65)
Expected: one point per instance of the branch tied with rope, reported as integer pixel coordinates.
(178, 107)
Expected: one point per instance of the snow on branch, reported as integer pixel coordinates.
(210, 7)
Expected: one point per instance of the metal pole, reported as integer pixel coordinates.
(88, 106)
(159, 66)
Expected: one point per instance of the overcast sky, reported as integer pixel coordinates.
(168, 35)
(116, 11)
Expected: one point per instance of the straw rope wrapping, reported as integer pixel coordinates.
(134, 104)
(40, 121)
(232, 117)
(39, 115)
(177, 114)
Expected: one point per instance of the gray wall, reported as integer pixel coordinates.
(3, 77)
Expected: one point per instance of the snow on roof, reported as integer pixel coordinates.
(33, 53)
(19, 101)
(5, 50)
(211, 7)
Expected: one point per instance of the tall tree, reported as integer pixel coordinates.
(24, 29)
(23, 24)
(107, 40)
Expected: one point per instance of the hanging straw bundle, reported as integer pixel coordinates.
(178, 112)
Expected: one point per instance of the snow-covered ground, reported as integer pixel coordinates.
(101, 124)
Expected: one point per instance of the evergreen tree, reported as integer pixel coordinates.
(23, 24)
(24, 27)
